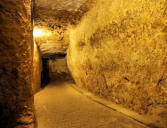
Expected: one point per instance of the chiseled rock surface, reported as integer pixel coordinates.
(37, 69)
(58, 69)
(56, 17)
(69, 5)
(16, 97)
(119, 51)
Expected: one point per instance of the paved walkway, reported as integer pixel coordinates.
(61, 106)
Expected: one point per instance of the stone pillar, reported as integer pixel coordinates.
(16, 46)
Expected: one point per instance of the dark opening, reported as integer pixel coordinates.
(54, 56)
(45, 72)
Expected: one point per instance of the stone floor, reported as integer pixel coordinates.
(60, 106)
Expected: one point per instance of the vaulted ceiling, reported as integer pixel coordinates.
(53, 18)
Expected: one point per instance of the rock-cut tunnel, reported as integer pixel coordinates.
(83, 64)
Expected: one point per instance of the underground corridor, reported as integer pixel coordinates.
(83, 64)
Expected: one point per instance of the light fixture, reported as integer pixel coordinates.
(38, 33)
(41, 32)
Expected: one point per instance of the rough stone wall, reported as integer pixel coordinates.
(55, 17)
(119, 51)
(37, 68)
(58, 69)
(16, 97)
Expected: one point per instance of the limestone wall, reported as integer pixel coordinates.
(58, 69)
(37, 69)
(16, 97)
(119, 51)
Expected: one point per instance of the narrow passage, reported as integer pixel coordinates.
(61, 106)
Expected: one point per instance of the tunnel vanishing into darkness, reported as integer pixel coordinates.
(115, 49)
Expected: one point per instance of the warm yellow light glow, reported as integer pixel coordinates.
(37, 33)
(41, 32)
